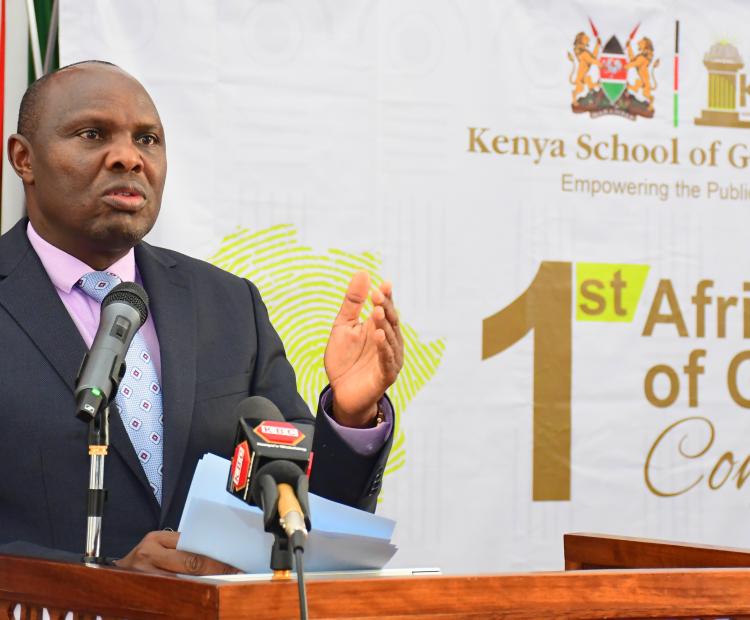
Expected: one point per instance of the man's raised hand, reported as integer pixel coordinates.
(363, 358)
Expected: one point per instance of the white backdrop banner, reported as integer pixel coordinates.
(559, 191)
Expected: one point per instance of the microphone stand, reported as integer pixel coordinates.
(289, 529)
(281, 557)
(97, 495)
(92, 407)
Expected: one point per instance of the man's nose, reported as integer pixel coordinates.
(124, 156)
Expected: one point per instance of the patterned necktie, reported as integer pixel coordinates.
(139, 397)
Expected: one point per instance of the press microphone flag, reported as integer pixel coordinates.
(271, 462)
(124, 311)
(264, 435)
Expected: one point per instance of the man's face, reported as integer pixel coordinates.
(99, 162)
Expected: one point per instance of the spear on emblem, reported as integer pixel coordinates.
(595, 31)
(630, 39)
(632, 34)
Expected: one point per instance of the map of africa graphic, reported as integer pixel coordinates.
(303, 290)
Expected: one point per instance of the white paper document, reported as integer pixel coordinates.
(219, 525)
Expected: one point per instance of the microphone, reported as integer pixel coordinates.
(272, 459)
(283, 485)
(124, 311)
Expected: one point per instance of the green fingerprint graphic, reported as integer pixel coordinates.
(303, 291)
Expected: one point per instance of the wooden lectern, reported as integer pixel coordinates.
(643, 579)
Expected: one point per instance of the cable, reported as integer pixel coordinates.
(301, 584)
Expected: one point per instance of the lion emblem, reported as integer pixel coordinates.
(582, 62)
(644, 64)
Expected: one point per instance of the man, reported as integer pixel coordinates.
(90, 151)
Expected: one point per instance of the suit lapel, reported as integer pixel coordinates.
(173, 312)
(29, 296)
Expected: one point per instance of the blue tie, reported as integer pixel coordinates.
(139, 397)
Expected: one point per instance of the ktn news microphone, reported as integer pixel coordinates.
(124, 311)
(270, 469)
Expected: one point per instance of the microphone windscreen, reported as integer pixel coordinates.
(260, 408)
(281, 472)
(131, 294)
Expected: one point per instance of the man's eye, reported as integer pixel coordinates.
(148, 140)
(90, 134)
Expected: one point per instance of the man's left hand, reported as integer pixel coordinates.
(363, 359)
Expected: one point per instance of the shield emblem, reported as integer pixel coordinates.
(612, 72)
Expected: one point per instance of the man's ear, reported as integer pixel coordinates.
(20, 156)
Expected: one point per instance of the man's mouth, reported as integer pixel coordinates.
(124, 198)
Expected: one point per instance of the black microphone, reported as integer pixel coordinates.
(272, 458)
(124, 310)
(269, 469)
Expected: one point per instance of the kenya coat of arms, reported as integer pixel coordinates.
(613, 80)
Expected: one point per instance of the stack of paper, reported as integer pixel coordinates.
(217, 524)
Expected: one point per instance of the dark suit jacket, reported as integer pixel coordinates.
(217, 347)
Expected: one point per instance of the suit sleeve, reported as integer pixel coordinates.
(338, 473)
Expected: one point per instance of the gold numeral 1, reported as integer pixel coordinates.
(544, 307)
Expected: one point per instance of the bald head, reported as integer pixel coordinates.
(32, 102)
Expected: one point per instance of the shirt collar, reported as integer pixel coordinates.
(65, 270)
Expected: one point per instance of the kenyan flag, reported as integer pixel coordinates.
(612, 72)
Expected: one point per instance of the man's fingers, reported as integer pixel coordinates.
(378, 298)
(390, 312)
(355, 297)
(175, 561)
(387, 357)
(157, 553)
(195, 564)
(383, 296)
(165, 538)
(386, 287)
(391, 335)
(390, 351)
(386, 319)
